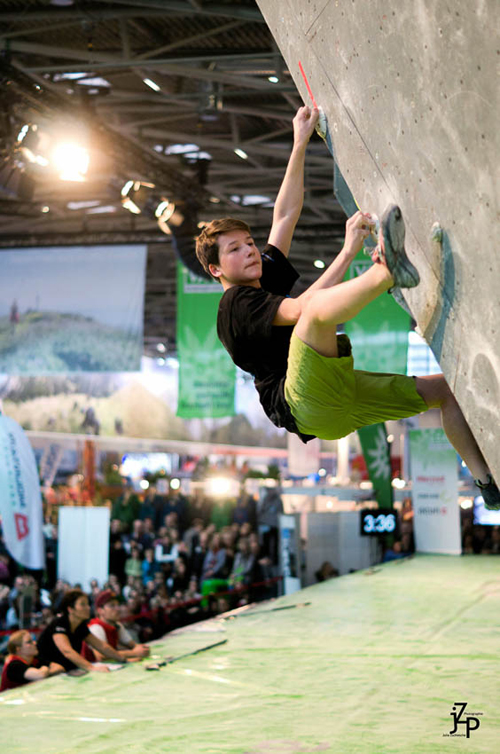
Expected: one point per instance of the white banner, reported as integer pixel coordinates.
(434, 473)
(20, 496)
(83, 545)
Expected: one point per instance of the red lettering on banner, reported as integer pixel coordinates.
(21, 525)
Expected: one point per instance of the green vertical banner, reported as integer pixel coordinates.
(379, 337)
(207, 375)
(377, 456)
(379, 333)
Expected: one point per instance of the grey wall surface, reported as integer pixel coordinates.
(411, 95)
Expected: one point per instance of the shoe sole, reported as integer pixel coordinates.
(392, 232)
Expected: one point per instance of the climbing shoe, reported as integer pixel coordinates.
(391, 248)
(490, 493)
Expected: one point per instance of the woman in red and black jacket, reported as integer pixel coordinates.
(21, 665)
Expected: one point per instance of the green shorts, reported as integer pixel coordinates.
(330, 399)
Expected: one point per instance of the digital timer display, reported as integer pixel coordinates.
(375, 522)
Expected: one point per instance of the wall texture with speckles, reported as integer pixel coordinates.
(411, 95)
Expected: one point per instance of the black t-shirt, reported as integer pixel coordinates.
(48, 651)
(16, 670)
(245, 328)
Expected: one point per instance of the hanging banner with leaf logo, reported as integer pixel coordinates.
(378, 461)
(207, 375)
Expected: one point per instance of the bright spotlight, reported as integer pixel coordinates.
(175, 483)
(466, 504)
(241, 153)
(219, 485)
(144, 484)
(398, 483)
(273, 79)
(71, 161)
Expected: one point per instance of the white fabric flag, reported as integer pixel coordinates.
(20, 496)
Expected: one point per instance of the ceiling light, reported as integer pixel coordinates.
(136, 196)
(95, 81)
(83, 205)
(251, 199)
(160, 361)
(71, 75)
(161, 347)
(319, 264)
(241, 153)
(152, 85)
(175, 483)
(45, 209)
(164, 210)
(181, 148)
(215, 200)
(273, 79)
(72, 161)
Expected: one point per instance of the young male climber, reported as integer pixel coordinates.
(304, 372)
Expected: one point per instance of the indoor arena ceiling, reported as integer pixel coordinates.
(219, 84)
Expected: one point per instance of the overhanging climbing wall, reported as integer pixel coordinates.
(410, 91)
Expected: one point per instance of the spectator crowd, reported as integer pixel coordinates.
(173, 560)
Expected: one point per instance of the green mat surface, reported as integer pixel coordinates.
(374, 664)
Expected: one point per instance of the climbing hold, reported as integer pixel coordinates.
(322, 125)
(437, 233)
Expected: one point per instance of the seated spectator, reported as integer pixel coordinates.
(198, 554)
(215, 560)
(149, 566)
(394, 553)
(109, 630)
(243, 566)
(115, 530)
(140, 537)
(221, 513)
(150, 505)
(245, 510)
(166, 551)
(133, 584)
(192, 535)
(133, 565)
(117, 559)
(61, 642)
(21, 665)
(126, 507)
(178, 581)
(327, 571)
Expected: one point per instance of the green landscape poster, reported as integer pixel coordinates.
(71, 309)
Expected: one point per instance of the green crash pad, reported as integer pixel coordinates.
(373, 664)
